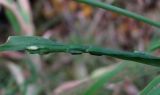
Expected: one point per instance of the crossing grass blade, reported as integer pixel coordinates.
(154, 45)
(155, 91)
(13, 21)
(103, 79)
(150, 86)
(121, 11)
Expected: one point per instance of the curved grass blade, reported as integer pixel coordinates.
(103, 79)
(120, 11)
(155, 91)
(39, 45)
(154, 45)
(12, 18)
(150, 86)
(13, 21)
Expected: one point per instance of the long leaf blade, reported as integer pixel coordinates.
(150, 86)
(120, 11)
(103, 79)
(154, 45)
(42, 46)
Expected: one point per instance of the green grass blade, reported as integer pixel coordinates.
(40, 45)
(155, 91)
(120, 11)
(150, 86)
(24, 14)
(103, 79)
(13, 21)
(154, 45)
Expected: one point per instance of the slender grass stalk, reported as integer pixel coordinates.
(13, 21)
(120, 11)
(150, 86)
(154, 91)
(42, 46)
(104, 79)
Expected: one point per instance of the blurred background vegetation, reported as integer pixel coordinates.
(70, 22)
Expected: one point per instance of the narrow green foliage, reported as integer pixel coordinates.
(120, 11)
(150, 87)
(154, 45)
(155, 91)
(42, 46)
(103, 79)
(13, 20)
(23, 13)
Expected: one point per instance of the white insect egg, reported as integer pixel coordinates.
(32, 48)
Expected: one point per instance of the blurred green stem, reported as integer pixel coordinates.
(104, 78)
(150, 86)
(13, 20)
(120, 11)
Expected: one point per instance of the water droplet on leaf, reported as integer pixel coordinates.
(136, 51)
(32, 48)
